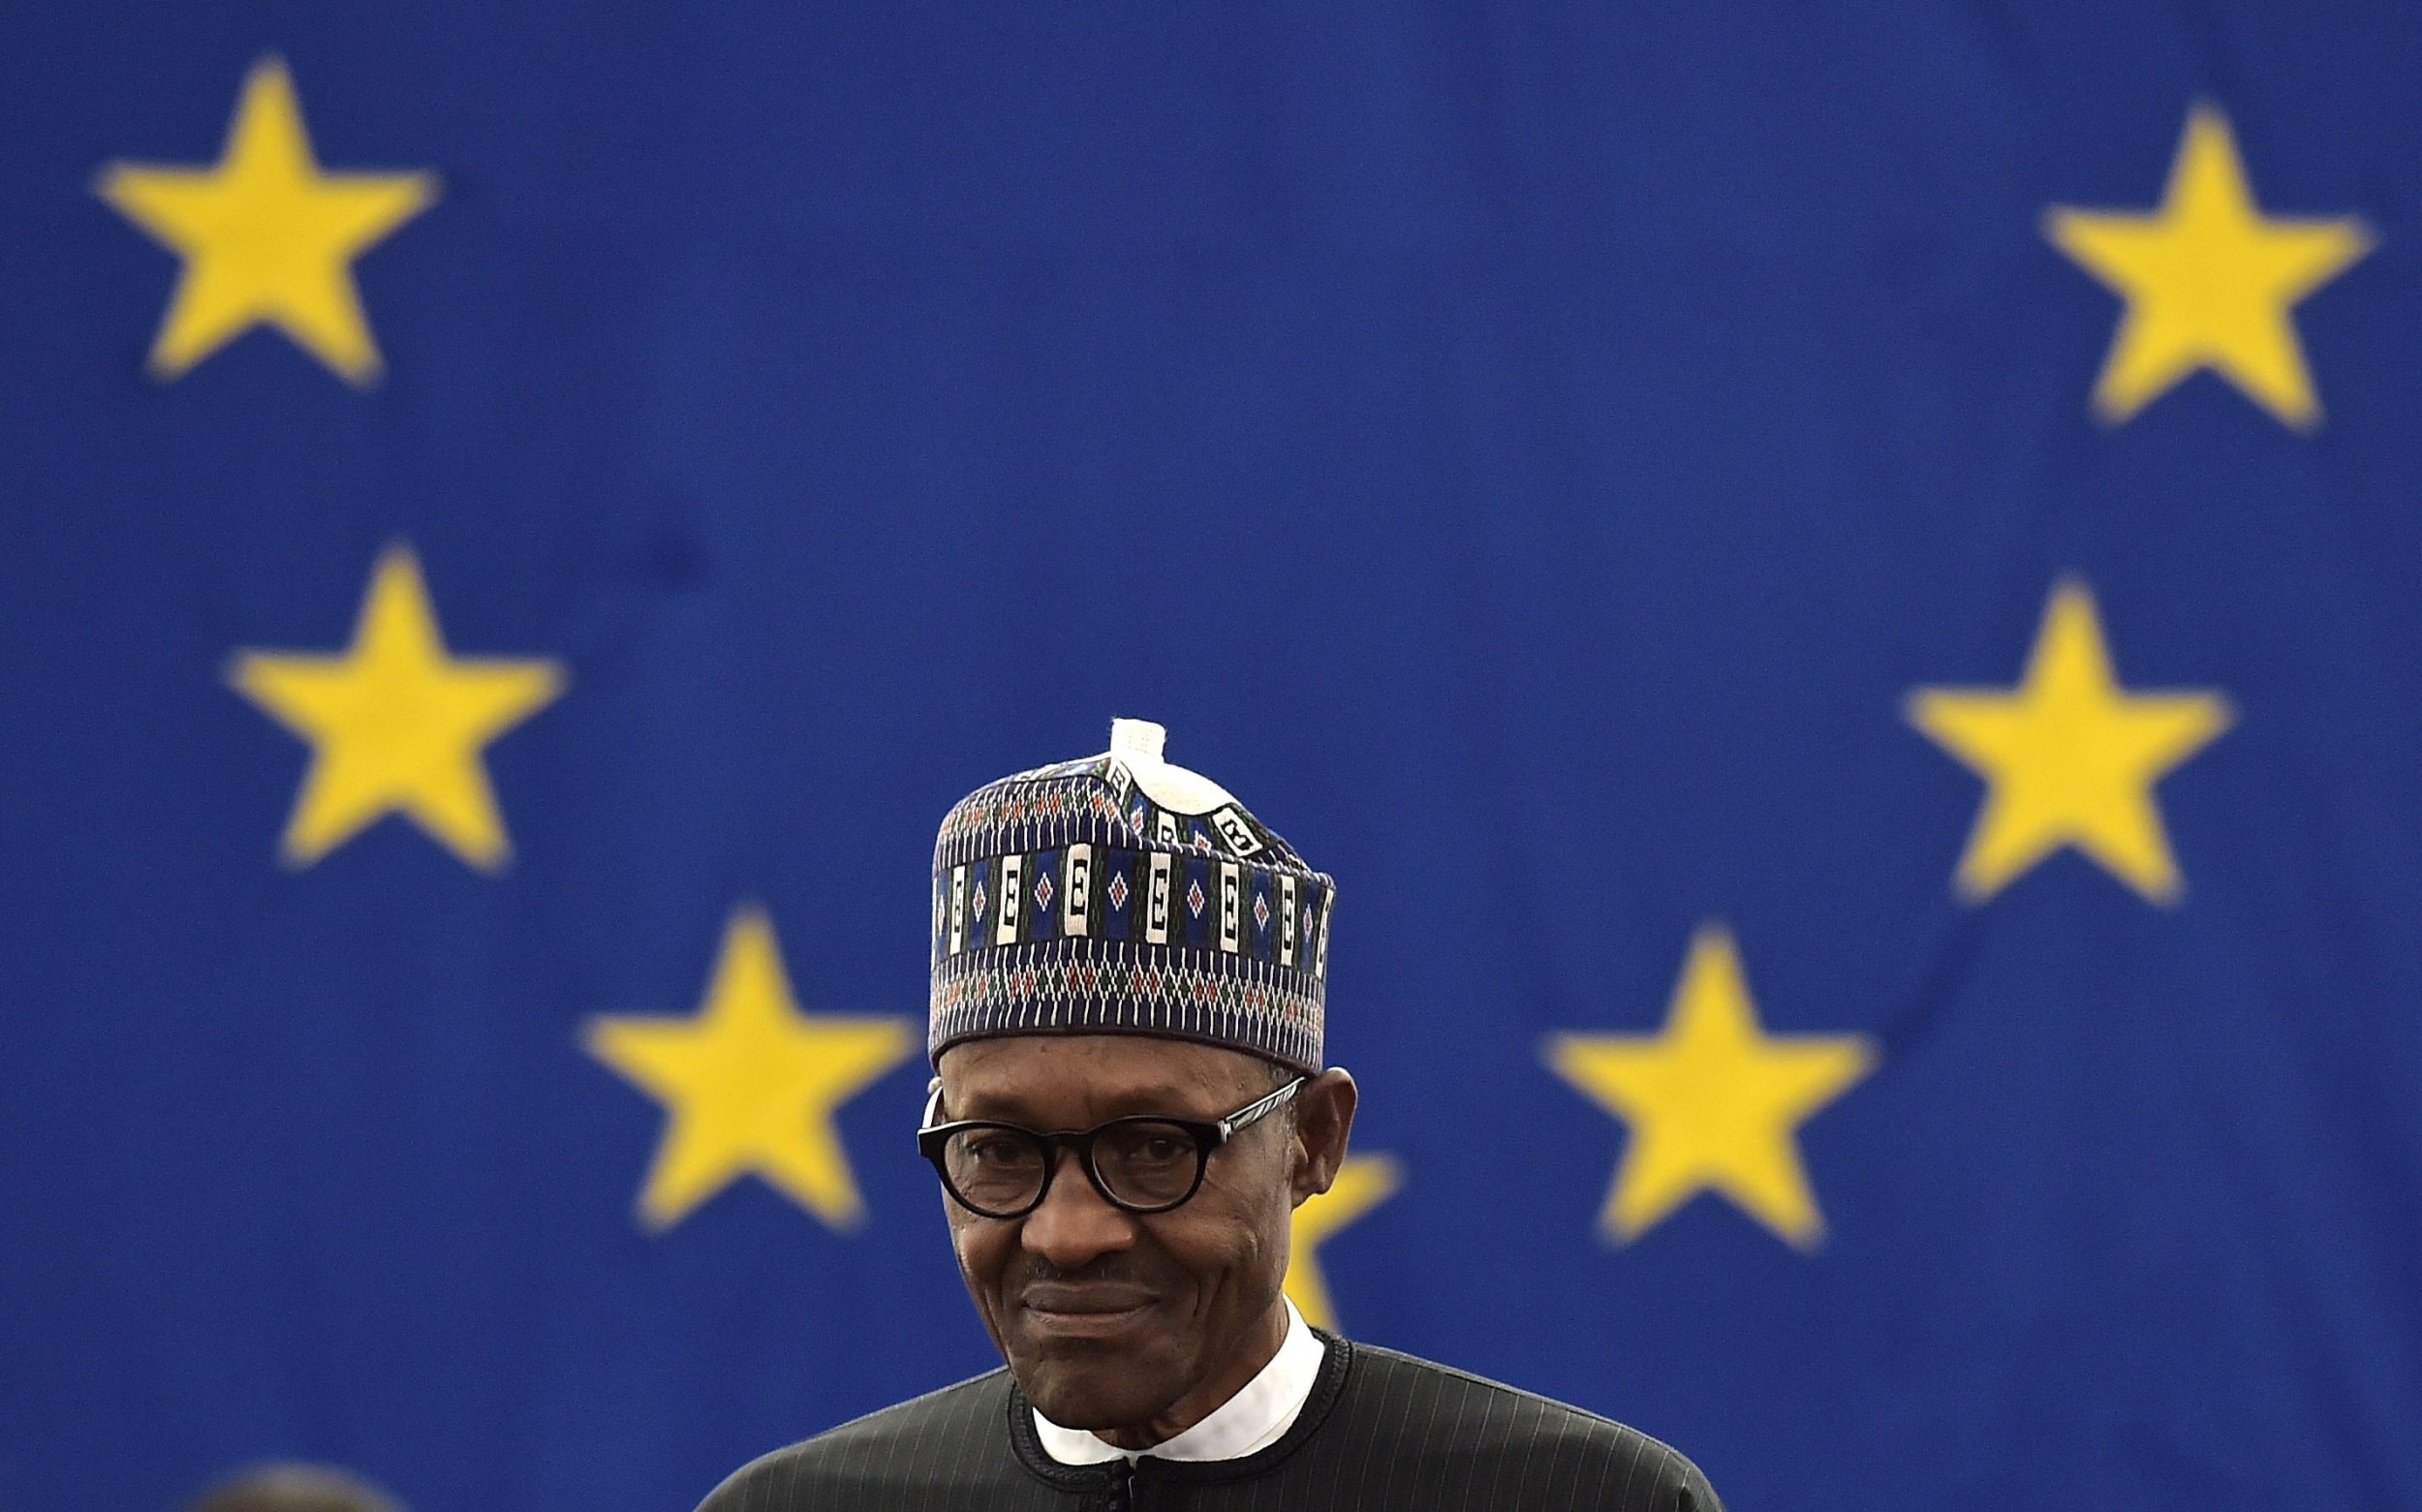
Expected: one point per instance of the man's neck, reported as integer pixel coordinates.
(1256, 1346)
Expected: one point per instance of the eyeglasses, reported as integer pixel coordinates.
(1141, 1164)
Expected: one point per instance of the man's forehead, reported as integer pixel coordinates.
(1092, 1070)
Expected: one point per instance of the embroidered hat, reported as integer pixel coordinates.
(1119, 894)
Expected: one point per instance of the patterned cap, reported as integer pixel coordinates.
(1119, 894)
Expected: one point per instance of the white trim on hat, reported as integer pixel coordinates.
(1137, 745)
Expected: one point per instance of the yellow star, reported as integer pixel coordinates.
(1363, 1182)
(395, 724)
(2069, 756)
(266, 236)
(1713, 1102)
(2209, 281)
(749, 1084)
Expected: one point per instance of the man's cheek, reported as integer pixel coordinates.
(980, 1257)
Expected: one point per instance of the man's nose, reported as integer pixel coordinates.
(1074, 1223)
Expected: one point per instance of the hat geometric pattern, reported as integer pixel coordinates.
(1067, 900)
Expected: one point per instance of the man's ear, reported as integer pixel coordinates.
(1324, 1116)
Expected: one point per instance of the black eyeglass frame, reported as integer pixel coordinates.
(1208, 1134)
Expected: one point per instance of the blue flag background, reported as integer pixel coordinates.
(1919, 504)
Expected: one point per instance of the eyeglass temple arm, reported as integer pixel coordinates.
(1261, 1109)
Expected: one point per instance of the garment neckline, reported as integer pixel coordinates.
(1336, 1363)
(1257, 1416)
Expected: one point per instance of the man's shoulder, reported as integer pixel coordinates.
(1451, 1422)
(945, 1437)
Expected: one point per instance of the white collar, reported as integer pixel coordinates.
(1254, 1418)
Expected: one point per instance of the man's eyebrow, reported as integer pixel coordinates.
(1008, 1106)
(1162, 1098)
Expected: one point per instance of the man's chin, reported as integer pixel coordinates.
(1089, 1393)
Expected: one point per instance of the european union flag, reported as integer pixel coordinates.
(1836, 586)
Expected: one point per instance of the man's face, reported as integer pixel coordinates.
(1112, 1319)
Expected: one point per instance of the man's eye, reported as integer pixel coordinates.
(996, 1150)
(1154, 1146)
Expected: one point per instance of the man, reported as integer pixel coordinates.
(1129, 972)
(295, 1488)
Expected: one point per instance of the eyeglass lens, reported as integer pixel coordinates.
(1142, 1161)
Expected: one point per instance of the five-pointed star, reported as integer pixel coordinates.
(1363, 1182)
(750, 1084)
(395, 724)
(2209, 281)
(2069, 756)
(266, 236)
(1713, 1102)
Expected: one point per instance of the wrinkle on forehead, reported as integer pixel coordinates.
(1073, 1081)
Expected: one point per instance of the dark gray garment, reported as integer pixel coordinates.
(1381, 1430)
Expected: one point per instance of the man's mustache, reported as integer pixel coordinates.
(1113, 1270)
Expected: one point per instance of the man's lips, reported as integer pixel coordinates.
(1098, 1297)
(1082, 1309)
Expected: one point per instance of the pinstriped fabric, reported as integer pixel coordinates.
(1382, 1430)
(941, 1452)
